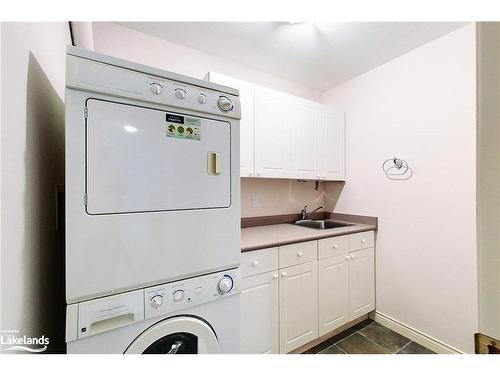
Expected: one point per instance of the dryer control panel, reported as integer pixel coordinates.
(93, 76)
(171, 297)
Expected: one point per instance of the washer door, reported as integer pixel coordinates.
(178, 335)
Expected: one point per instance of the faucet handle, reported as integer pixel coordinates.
(304, 213)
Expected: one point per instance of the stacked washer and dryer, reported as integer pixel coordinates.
(152, 210)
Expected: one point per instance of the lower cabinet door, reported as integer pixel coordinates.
(259, 313)
(298, 294)
(333, 293)
(362, 282)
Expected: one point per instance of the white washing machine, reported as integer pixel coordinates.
(193, 316)
(152, 210)
(152, 176)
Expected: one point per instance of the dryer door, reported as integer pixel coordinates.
(178, 335)
(142, 159)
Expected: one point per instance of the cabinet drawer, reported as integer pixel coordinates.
(259, 261)
(363, 240)
(328, 247)
(298, 253)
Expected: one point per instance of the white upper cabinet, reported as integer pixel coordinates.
(304, 154)
(332, 144)
(273, 126)
(284, 136)
(247, 123)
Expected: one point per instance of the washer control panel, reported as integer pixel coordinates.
(167, 298)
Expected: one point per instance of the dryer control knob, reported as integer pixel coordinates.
(156, 88)
(156, 301)
(225, 285)
(225, 104)
(180, 94)
(202, 98)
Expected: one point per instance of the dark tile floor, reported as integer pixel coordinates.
(369, 337)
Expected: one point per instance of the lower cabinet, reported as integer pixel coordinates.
(293, 294)
(346, 288)
(333, 293)
(259, 314)
(298, 302)
(361, 282)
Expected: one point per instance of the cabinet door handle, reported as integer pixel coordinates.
(335, 246)
(258, 174)
(283, 274)
(300, 253)
(275, 276)
(250, 174)
(347, 257)
(363, 240)
(255, 263)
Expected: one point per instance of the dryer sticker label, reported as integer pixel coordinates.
(183, 127)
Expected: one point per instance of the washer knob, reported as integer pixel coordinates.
(225, 104)
(156, 88)
(202, 98)
(225, 285)
(156, 301)
(180, 94)
(178, 295)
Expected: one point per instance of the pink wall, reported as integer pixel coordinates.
(420, 107)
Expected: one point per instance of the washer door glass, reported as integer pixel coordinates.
(177, 335)
(176, 343)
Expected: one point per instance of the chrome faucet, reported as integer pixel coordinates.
(305, 215)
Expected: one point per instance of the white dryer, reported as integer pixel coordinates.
(193, 316)
(152, 176)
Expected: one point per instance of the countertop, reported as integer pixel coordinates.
(263, 236)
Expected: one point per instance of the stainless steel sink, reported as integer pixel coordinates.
(321, 224)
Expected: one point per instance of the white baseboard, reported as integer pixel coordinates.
(414, 335)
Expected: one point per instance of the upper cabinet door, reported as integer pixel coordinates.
(247, 123)
(273, 125)
(305, 140)
(332, 144)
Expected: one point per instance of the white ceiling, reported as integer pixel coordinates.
(318, 55)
